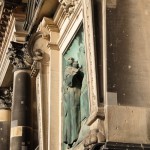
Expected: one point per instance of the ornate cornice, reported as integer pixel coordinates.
(5, 97)
(68, 6)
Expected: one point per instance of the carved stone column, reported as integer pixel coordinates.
(5, 114)
(21, 118)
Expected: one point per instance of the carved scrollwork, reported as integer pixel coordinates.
(68, 5)
(36, 54)
(5, 97)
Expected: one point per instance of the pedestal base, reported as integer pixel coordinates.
(120, 146)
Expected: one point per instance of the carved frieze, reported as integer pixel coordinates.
(5, 97)
(68, 5)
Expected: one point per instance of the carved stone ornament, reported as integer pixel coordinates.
(5, 97)
(18, 56)
(35, 54)
(93, 138)
(38, 55)
(68, 5)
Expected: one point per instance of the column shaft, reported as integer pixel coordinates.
(4, 128)
(21, 120)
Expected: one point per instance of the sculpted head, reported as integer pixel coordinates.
(70, 61)
(75, 64)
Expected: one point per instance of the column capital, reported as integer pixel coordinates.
(5, 97)
(18, 56)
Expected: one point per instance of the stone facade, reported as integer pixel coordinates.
(74, 74)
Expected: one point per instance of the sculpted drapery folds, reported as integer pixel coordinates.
(72, 90)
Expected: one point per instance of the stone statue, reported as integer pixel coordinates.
(72, 90)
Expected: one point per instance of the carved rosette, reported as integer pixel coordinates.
(68, 6)
(5, 98)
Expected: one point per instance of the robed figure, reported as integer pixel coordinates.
(72, 90)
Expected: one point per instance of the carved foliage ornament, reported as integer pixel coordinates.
(5, 97)
(17, 55)
(68, 5)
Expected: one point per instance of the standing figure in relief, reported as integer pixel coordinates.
(72, 90)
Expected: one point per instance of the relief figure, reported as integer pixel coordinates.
(72, 90)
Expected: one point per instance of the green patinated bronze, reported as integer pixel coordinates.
(75, 91)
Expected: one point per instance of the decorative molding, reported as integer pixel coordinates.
(68, 25)
(52, 27)
(68, 6)
(5, 19)
(4, 61)
(89, 40)
(37, 55)
(5, 97)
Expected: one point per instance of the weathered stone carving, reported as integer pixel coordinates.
(38, 55)
(21, 58)
(5, 97)
(16, 55)
(72, 90)
(68, 5)
(93, 138)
